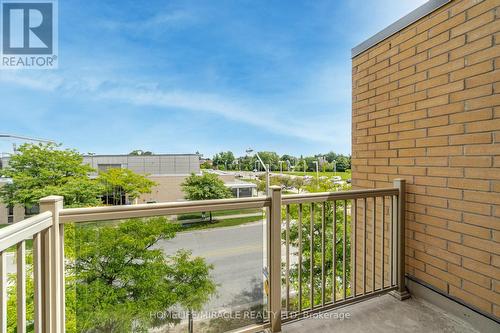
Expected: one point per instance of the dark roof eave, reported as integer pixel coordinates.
(399, 25)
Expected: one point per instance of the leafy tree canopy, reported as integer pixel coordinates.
(224, 159)
(270, 158)
(122, 276)
(205, 187)
(139, 152)
(248, 162)
(118, 274)
(206, 165)
(39, 170)
(128, 181)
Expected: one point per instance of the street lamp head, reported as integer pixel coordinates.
(249, 150)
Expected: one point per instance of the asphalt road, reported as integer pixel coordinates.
(237, 254)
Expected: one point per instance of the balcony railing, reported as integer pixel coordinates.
(338, 248)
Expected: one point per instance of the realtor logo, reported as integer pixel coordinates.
(29, 34)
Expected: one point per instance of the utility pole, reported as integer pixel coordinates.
(9, 136)
(317, 173)
(265, 166)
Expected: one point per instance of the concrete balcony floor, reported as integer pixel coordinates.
(383, 314)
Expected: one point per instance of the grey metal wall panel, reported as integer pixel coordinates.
(153, 165)
(167, 165)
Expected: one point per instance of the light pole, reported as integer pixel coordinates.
(23, 138)
(289, 165)
(266, 167)
(317, 172)
(281, 167)
(334, 167)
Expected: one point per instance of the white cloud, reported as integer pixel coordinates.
(281, 117)
(159, 22)
(232, 108)
(31, 80)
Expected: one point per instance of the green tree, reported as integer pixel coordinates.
(343, 163)
(286, 181)
(247, 163)
(224, 160)
(311, 166)
(206, 165)
(117, 181)
(205, 187)
(298, 183)
(270, 158)
(194, 284)
(39, 170)
(301, 165)
(122, 277)
(118, 264)
(117, 277)
(330, 156)
(288, 160)
(333, 264)
(30, 324)
(139, 152)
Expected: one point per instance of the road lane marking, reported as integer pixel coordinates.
(231, 251)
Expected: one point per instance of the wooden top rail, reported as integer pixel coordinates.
(342, 195)
(185, 207)
(19, 231)
(158, 209)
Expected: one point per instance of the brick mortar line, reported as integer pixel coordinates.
(415, 25)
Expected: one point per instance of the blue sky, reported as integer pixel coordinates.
(186, 76)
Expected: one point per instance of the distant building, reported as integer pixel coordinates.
(153, 165)
(240, 188)
(167, 170)
(4, 161)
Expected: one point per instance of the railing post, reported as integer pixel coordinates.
(401, 293)
(18, 213)
(53, 272)
(4, 213)
(275, 259)
(3, 291)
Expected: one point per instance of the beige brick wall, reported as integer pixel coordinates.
(426, 107)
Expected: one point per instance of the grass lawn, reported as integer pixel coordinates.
(218, 213)
(344, 175)
(221, 223)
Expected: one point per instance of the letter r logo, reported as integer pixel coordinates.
(27, 28)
